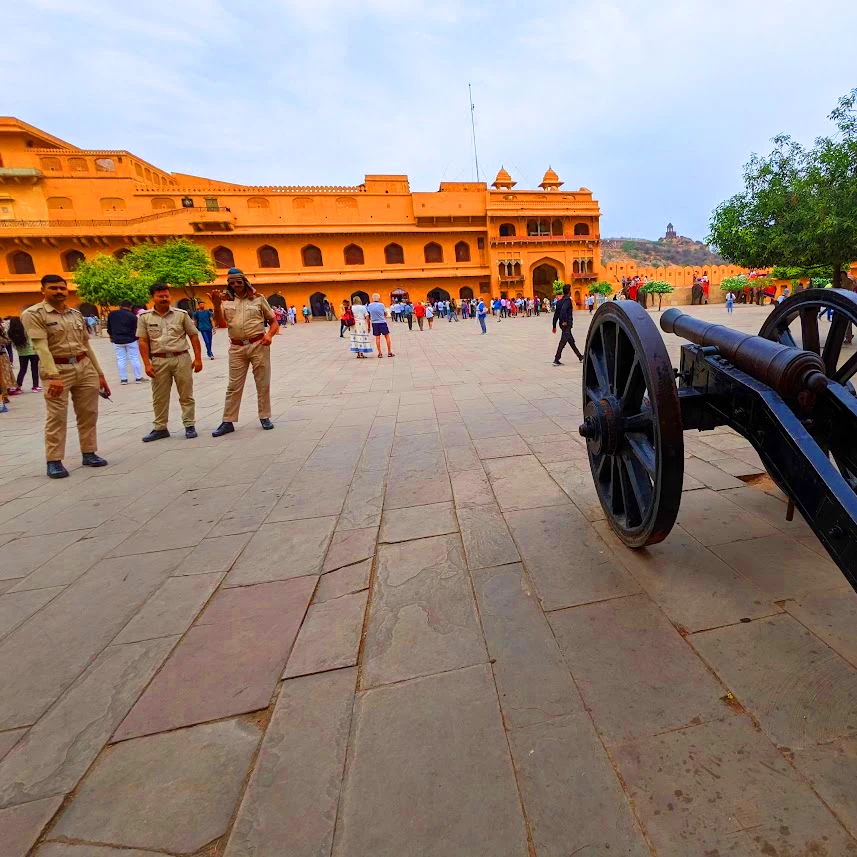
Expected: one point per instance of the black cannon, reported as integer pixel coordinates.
(787, 390)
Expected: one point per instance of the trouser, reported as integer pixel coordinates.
(420, 321)
(728, 306)
(482, 323)
(241, 358)
(207, 338)
(33, 360)
(81, 383)
(410, 321)
(130, 352)
(167, 370)
(567, 339)
(342, 327)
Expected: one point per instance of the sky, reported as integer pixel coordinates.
(654, 105)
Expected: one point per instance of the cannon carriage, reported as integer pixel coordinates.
(789, 391)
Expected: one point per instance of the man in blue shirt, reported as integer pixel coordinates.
(497, 307)
(202, 319)
(481, 312)
(378, 319)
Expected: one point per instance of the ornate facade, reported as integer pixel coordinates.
(60, 204)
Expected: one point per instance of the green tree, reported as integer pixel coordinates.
(657, 287)
(797, 208)
(734, 284)
(106, 282)
(179, 262)
(602, 287)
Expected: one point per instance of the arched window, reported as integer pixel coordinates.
(148, 173)
(139, 170)
(71, 259)
(223, 257)
(258, 202)
(301, 203)
(78, 165)
(507, 230)
(353, 255)
(20, 263)
(162, 203)
(121, 253)
(344, 202)
(105, 165)
(433, 252)
(394, 255)
(112, 203)
(268, 256)
(462, 252)
(465, 293)
(51, 165)
(311, 256)
(556, 227)
(581, 229)
(58, 203)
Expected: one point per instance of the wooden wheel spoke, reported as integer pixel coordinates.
(844, 373)
(643, 451)
(784, 337)
(640, 485)
(810, 337)
(833, 345)
(643, 422)
(634, 389)
(596, 360)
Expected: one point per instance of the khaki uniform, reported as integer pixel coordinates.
(166, 336)
(63, 335)
(245, 320)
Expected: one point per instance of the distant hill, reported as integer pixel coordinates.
(661, 253)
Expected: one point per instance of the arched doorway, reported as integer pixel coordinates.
(316, 304)
(277, 300)
(438, 294)
(544, 276)
(186, 304)
(364, 297)
(398, 295)
(577, 299)
(465, 293)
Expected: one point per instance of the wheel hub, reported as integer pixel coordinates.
(600, 426)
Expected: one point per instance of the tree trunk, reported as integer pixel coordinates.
(660, 298)
(837, 275)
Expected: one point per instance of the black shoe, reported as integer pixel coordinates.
(266, 423)
(93, 459)
(124, 382)
(156, 434)
(222, 429)
(557, 363)
(56, 470)
(190, 432)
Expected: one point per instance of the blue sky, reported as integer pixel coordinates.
(654, 105)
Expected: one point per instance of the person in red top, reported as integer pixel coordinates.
(420, 313)
(632, 290)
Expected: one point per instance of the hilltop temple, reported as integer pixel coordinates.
(60, 204)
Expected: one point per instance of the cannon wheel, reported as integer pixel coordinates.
(632, 423)
(803, 313)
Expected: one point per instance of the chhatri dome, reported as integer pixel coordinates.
(503, 180)
(551, 180)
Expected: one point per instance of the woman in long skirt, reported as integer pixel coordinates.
(361, 345)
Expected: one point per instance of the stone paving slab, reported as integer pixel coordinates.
(214, 555)
(65, 849)
(9, 739)
(343, 581)
(486, 538)
(636, 674)
(522, 483)
(24, 555)
(175, 792)
(430, 773)
(21, 826)
(801, 692)
(289, 808)
(17, 607)
(422, 617)
(722, 788)
(572, 795)
(418, 522)
(715, 520)
(567, 560)
(350, 546)
(831, 615)
(56, 752)
(44, 656)
(330, 636)
(533, 681)
(282, 551)
(229, 661)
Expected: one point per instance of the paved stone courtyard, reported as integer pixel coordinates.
(399, 625)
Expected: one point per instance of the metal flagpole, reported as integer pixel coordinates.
(473, 129)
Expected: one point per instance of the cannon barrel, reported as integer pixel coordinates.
(787, 370)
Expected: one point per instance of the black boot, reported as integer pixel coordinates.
(222, 429)
(93, 459)
(56, 470)
(156, 434)
(266, 423)
(190, 432)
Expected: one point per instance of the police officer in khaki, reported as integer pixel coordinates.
(163, 333)
(70, 367)
(245, 314)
